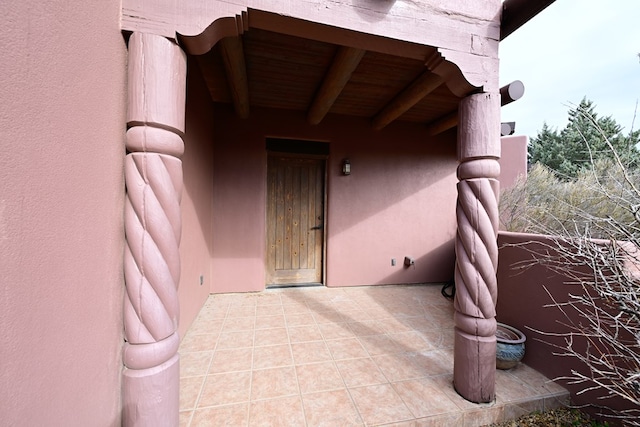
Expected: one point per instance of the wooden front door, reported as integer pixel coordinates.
(295, 219)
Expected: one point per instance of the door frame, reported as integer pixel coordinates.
(324, 158)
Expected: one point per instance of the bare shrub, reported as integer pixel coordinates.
(594, 221)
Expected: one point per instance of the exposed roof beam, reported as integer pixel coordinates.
(344, 64)
(443, 123)
(508, 93)
(234, 65)
(426, 83)
(516, 13)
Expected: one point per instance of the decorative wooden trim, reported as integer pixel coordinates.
(344, 64)
(236, 70)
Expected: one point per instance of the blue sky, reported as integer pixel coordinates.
(574, 48)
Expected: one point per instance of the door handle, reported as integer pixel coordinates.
(318, 227)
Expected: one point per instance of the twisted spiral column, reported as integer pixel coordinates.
(476, 247)
(153, 177)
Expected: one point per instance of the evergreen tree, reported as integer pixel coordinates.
(583, 141)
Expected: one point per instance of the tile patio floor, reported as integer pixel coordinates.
(338, 357)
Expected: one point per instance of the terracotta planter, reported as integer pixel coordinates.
(510, 346)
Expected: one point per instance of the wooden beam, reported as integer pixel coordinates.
(344, 64)
(508, 93)
(511, 92)
(421, 87)
(444, 123)
(516, 13)
(236, 69)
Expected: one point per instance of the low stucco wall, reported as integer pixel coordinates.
(62, 120)
(522, 296)
(398, 201)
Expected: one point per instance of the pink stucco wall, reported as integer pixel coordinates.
(197, 162)
(399, 200)
(62, 123)
(513, 159)
(522, 297)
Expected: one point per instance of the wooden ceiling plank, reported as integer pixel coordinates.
(236, 69)
(344, 64)
(421, 87)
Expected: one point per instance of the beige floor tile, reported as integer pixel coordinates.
(453, 419)
(396, 367)
(332, 331)
(228, 416)
(410, 342)
(295, 307)
(356, 315)
(234, 324)
(241, 311)
(195, 364)
(189, 391)
(304, 333)
(274, 382)
(328, 315)
(299, 319)
(236, 339)
(330, 409)
(378, 344)
(396, 325)
(229, 360)
(266, 299)
(271, 337)
(224, 389)
(535, 380)
(327, 368)
(510, 388)
(317, 377)
(483, 416)
(206, 326)
(346, 348)
(378, 404)
(367, 327)
(360, 372)
(269, 310)
(185, 418)
(423, 398)
(272, 356)
(310, 352)
(268, 322)
(286, 411)
(200, 342)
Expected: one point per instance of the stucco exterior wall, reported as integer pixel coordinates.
(513, 159)
(197, 162)
(399, 200)
(62, 123)
(523, 294)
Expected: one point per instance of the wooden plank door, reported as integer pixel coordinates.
(295, 220)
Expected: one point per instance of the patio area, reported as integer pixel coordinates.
(316, 356)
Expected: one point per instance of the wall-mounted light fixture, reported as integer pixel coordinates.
(346, 167)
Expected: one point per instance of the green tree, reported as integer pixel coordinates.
(583, 141)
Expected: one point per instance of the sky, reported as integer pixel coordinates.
(573, 49)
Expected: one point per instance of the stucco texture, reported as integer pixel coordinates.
(62, 123)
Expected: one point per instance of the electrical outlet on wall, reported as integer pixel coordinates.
(393, 262)
(201, 280)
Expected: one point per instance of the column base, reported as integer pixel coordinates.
(151, 397)
(474, 367)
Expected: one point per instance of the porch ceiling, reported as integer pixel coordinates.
(272, 70)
